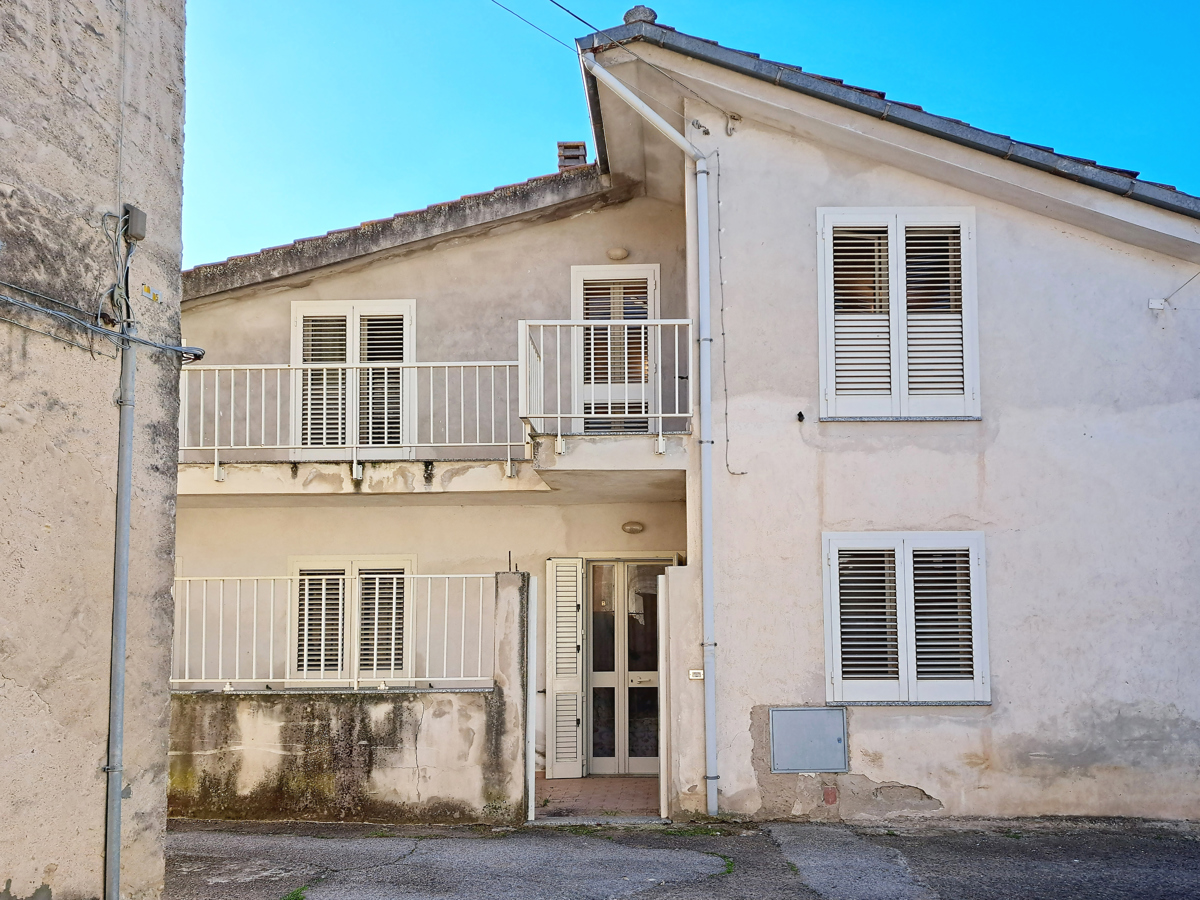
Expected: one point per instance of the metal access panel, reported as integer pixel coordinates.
(809, 739)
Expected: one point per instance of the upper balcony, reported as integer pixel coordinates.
(590, 377)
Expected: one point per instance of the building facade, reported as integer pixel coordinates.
(948, 505)
(91, 116)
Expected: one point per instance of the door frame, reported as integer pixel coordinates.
(652, 272)
(672, 558)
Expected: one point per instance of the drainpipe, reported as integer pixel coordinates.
(116, 689)
(706, 443)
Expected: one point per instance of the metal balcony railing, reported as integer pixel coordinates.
(611, 376)
(325, 629)
(443, 410)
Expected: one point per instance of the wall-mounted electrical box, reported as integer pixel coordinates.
(809, 739)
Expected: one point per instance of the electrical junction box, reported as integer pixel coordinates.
(809, 739)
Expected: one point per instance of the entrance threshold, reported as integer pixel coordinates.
(562, 821)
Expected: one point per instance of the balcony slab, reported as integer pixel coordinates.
(437, 483)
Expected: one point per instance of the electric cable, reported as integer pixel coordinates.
(1181, 287)
(725, 112)
(574, 51)
(190, 354)
(721, 289)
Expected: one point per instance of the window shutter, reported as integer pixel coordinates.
(948, 624)
(381, 623)
(616, 358)
(899, 334)
(319, 621)
(905, 617)
(867, 619)
(381, 390)
(861, 354)
(323, 391)
(934, 343)
(565, 752)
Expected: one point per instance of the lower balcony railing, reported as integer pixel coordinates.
(324, 629)
(606, 376)
(350, 412)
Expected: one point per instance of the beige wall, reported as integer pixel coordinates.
(469, 292)
(59, 127)
(454, 539)
(1080, 474)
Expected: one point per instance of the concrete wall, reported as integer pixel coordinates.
(1081, 474)
(391, 756)
(60, 123)
(469, 291)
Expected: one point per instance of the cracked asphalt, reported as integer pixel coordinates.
(1056, 859)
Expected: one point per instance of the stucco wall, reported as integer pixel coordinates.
(469, 292)
(393, 756)
(450, 539)
(1080, 473)
(59, 126)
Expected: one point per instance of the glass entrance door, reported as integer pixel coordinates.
(623, 666)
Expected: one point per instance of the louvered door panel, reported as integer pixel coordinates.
(564, 668)
(941, 581)
(320, 622)
(323, 390)
(616, 354)
(933, 276)
(381, 394)
(381, 623)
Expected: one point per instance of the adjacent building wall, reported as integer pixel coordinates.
(62, 134)
(1081, 474)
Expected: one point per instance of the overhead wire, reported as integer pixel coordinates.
(574, 51)
(667, 75)
(721, 290)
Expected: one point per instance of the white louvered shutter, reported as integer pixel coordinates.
(944, 586)
(862, 359)
(937, 321)
(617, 358)
(899, 336)
(906, 617)
(868, 621)
(381, 394)
(565, 712)
(381, 623)
(323, 390)
(320, 622)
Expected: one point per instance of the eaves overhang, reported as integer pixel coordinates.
(547, 196)
(874, 103)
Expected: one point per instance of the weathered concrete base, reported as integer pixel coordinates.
(396, 756)
(402, 757)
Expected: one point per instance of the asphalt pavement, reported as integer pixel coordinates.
(1055, 859)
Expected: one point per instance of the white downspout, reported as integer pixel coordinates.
(706, 443)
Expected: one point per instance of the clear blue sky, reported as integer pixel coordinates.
(306, 116)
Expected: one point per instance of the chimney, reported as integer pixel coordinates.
(571, 154)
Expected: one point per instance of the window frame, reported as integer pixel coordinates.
(352, 565)
(353, 310)
(907, 690)
(899, 405)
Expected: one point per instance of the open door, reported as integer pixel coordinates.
(565, 712)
